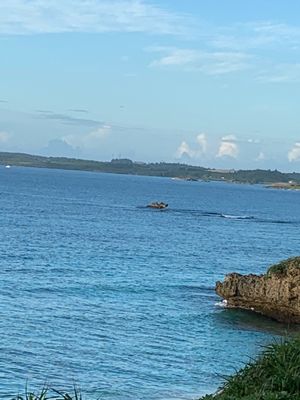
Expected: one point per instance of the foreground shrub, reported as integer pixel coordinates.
(274, 375)
(50, 394)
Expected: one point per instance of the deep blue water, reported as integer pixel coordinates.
(98, 290)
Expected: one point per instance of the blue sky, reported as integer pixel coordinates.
(206, 82)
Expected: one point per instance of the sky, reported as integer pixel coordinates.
(214, 83)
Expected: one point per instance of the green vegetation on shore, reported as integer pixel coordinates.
(282, 267)
(126, 166)
(47, 393)
(274, 375)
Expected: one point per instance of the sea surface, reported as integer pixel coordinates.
(99, 291)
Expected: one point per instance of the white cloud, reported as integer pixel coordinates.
(228, 147)
(53, 16)
(268, 36)
(59, 148)
(252, 46)
(4, 137)
(202, 141)
(197, 151)
(294, 153)
(89, 140)
(97, 134)
(271, 45)
(184, 150)
(210, 63)
(175, 56)
(229, 138)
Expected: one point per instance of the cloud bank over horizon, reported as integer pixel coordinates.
(152, 80)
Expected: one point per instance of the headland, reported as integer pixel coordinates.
(162, 169)
(275, 294)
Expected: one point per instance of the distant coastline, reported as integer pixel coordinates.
(285, 185)
(273, 178)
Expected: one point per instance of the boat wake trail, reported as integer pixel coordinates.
(233, 217)
(236, 216)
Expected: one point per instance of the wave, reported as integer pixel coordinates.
(236, 216)
(216, 214)
(222, 304)
(278, 221)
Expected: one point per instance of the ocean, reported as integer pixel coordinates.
(100, 291)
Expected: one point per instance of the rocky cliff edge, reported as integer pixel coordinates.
(275, 294)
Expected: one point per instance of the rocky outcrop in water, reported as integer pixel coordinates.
(275, 294)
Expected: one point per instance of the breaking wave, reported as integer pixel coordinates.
(236, 216)
(222, 304)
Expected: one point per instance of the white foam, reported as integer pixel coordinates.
(234, 216)
(222, 304)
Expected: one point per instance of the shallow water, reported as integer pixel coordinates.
(99, 290)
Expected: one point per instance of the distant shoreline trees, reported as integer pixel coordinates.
(163, 169)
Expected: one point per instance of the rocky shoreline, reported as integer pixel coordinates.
(275, 294)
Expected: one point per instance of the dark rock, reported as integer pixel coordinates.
(275, 294)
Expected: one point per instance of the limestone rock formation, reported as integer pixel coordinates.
(275, 294)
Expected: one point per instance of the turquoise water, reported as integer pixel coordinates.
(98, 290)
